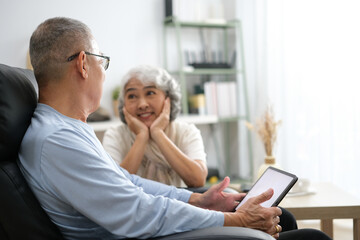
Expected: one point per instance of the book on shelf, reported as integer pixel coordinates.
(210, 98)
(221, 99)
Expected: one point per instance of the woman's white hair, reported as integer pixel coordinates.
(162, 80)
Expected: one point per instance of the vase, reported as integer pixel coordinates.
(269, 162)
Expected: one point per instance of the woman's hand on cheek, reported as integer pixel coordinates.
(163, 119)
(135, 125)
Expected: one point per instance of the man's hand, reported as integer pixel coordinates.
(252, 215)
(216, 199)
(135, 125)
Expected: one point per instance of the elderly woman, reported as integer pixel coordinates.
(149, 142)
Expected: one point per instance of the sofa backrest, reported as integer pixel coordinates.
(21, 216)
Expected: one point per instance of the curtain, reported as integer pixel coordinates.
(312, 75)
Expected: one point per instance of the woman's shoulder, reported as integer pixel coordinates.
(184, 127)
(182, 124)
(117, 130)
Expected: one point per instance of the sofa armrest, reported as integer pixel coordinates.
(225, 233)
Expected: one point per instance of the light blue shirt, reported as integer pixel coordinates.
(88, 196)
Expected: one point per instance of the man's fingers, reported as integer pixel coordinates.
(276, 219)
(224, 183)
(264, 196)
(278, 229)
(239, 196)
(276, 236)
(278, 211)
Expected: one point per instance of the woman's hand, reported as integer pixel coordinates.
(133, 158)
(135, 125)
(216, 199)
(162, 121)
(192, 171)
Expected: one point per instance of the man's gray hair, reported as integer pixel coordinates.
(53, 42)
(162, 80)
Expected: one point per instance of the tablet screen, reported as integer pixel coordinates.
(276, 179)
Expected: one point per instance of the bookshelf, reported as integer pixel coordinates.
(101, 127)
(190, 118)
(183, 72)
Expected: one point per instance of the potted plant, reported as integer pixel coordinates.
(267, 128)
(115, 100)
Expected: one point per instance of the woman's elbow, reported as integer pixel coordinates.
(197, 181)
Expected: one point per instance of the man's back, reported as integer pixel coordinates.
(40, 169)
(82, 188)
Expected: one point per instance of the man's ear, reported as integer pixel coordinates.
(82, 64)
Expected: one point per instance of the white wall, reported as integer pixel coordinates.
(130, 32)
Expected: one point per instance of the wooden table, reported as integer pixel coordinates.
(327, 203)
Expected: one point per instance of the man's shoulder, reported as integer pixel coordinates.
(48, 125)
(45, 123)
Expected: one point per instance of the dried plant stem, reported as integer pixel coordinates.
(266, 128)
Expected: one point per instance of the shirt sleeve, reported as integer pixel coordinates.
(83, 176)
(157, 188)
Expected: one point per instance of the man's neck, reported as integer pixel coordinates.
(65, 102)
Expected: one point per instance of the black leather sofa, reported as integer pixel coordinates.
(21, 216)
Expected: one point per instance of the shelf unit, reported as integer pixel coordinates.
(101, 127)
(190, 118)
(183, 71)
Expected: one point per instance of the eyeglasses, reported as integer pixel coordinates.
(104, 63)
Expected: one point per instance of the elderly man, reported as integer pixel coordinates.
(85, 193)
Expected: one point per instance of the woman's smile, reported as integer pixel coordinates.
(145, 115)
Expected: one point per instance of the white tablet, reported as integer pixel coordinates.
(276, 179)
